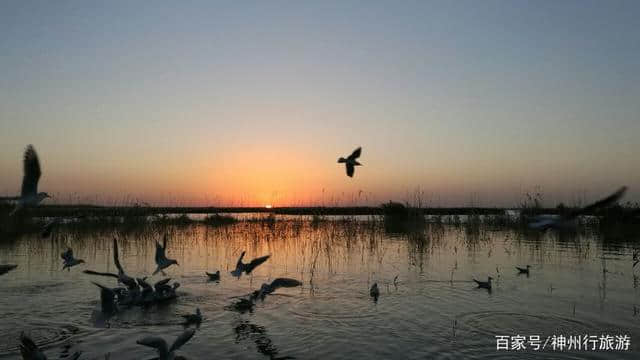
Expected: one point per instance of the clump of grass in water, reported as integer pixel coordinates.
(401, 218)
(219, 220)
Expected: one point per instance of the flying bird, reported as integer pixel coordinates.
(267, 289)
(523, 270)
(30, 351)
(248, 268)
(122, 277)
(484, 284)
(69, 260)
(29, 195)
(567, 221)
(161, 258)
(6, 268)
(164, 351)
(351, 162)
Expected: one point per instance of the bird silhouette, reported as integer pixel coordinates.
(30, 351)
(164, 351)
(567, 221)
(351, 162)
(267, 289)
(484, 284)
(193, 318)
(29, 195)
(248, 268)
(161, 258)
(6, 268)
(69, 260)
(214, 277)
(374, 292)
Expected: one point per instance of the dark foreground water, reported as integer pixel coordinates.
(577, 287)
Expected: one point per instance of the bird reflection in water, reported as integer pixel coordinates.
(248, 331)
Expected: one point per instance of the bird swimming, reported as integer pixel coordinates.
(523, 270)
(567, 221)
(484, 284)
(30, 351)
(374, 292)
(29, 195)
(267, 289)
(351, 162)
(6, 268)
(193, 318)
(164, 351)
(161, 258)
(248, 268)
(214, 277)
(69, 260)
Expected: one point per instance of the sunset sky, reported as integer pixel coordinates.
(251, 103)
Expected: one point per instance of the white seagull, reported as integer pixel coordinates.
(166, 352)
(161, 257)
(351, 162)
(29, 196)
(567, 221)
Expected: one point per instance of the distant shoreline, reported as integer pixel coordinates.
(95, 210)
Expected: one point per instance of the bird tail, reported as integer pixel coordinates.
(9, 198)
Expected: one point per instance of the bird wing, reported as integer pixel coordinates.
(91, 272)
(239, 263)
(29, 349)
(182, 339)
(284, 282)
(355, 154)
(161, 283)
(159, 253)
(255, 262)
(105, 290)
(116, 259)
(143, 283)
(608, 201)
(31, 172)
(154, 342)
(350, 169)
(67, 255)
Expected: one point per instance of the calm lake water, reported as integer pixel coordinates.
(578, 287)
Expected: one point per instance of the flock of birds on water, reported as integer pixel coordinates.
(131, 291)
